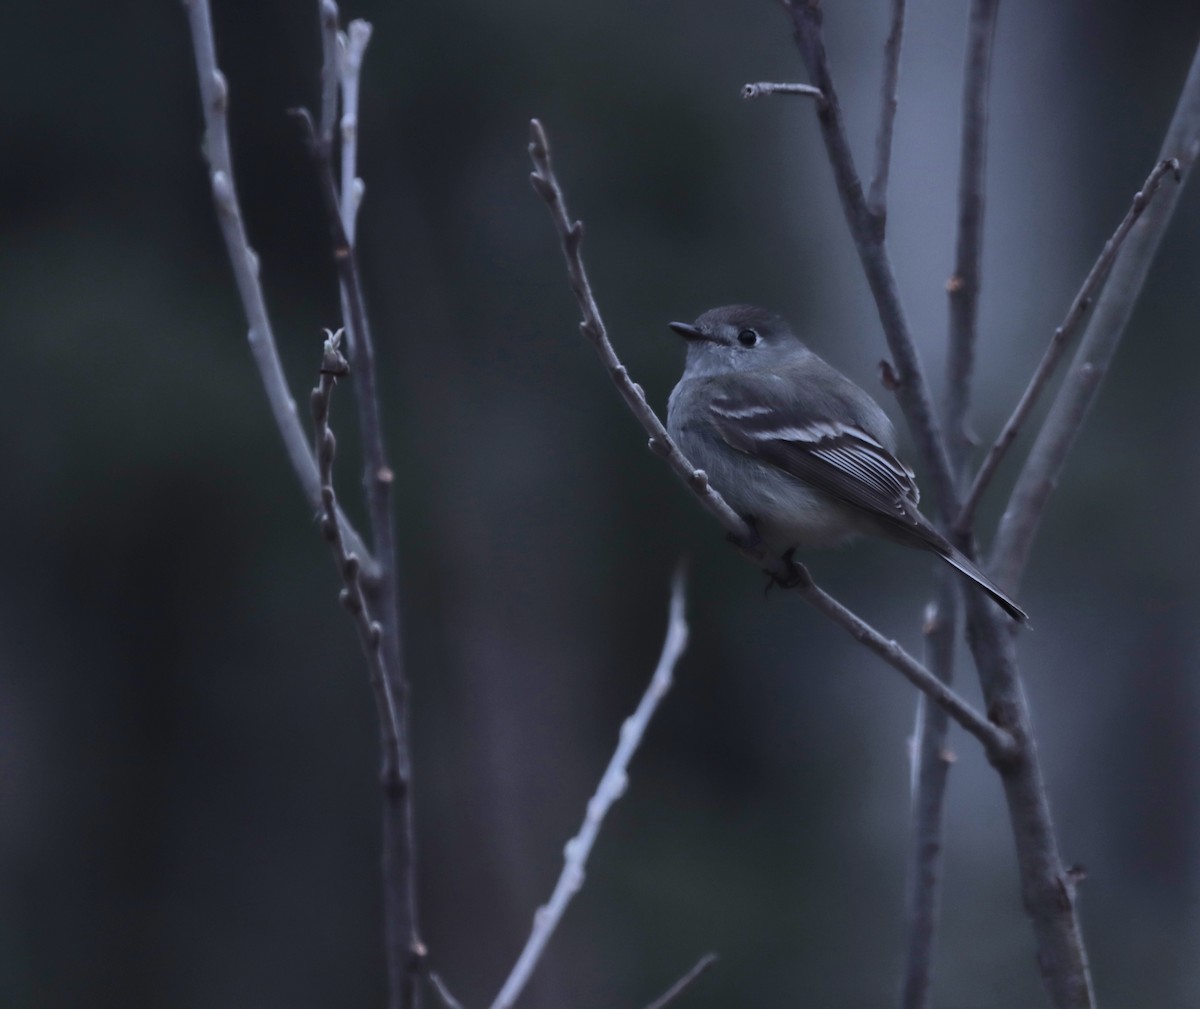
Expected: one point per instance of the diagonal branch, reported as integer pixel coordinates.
(1109, 319)
(867, 231)
(214, 98)
(1092, 285)
(612, 786)
(997, 743)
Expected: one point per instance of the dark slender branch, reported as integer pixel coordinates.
(964, 285)
(370, 634)
(685, 982)
(877, 194)
(867, 231)
(767, 88)
(611, 787)
(1109, 318)
(931, 769)
(570, 237)
(214, 101)
(404, 948)
(1058, 344)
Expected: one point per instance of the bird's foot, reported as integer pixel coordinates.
(793, 576)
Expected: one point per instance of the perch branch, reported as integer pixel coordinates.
(1062, 337)
(570, 234)
(214, 98)
(612, 786)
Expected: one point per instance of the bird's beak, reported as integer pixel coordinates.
(687, 330)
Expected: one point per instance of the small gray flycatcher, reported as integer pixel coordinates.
(795, 447)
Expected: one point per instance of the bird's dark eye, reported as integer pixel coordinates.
(747, 338)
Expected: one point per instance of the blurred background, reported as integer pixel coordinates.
(188, 802)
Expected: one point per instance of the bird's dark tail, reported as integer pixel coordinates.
(956, 559)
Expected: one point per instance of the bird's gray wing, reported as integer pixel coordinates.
(839, 458)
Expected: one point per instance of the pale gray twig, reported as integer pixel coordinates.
(1058, 345)
(793, 576)
(867, 231)
(443, 992)
(685, 982)
(352, 46)
(889, 100)
(214, 99)
(769, 88)
(1109, 318)
(612, 786)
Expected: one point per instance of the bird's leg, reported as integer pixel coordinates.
(752, 543)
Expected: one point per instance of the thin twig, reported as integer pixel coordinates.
(963, 287)
(370, 635)
(768, 88)
(931, 760)
(889, 100)
(685, 982)
(1059, 343)
(352, 47)
(867, 231)
(612, 786)
(214, 98)
(443, 992)
(570, 235)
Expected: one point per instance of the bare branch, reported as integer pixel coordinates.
(963, 287)
(931, 760)
(767, 88)
(1040, 473)
(790, 575)
(214, 101)
(867, 231)
(1058, 344)
(685, 982)
(404, 949)
(443, 993)
(612, 786)
(327, 12)
(877, 194)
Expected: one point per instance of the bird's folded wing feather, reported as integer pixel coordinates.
(840, 459)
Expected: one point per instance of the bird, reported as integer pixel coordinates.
(803, 454)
